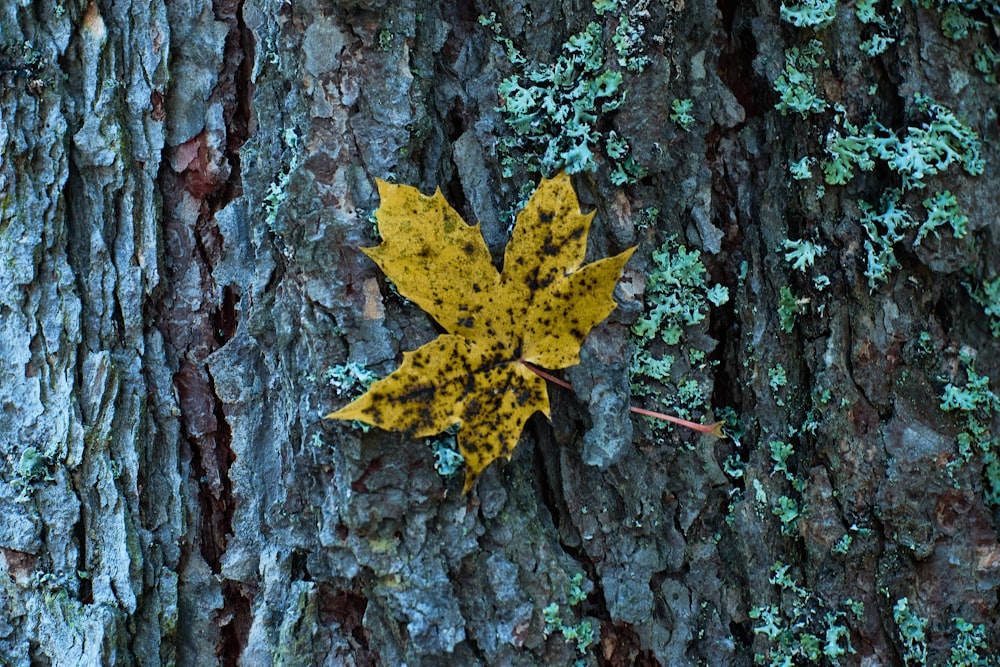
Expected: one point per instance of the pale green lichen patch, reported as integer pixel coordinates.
(796, 85)
(553, 108)
(810, 13)
(977, 403)
(802, 254)
(581, 633)
(987, 295)
(933, 139)
(801, 628)
(678, 297)
(680, 113)
(919, 151)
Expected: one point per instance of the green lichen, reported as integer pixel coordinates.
(777, 379)
(960, 19)
(33, 466)
(884, 37)
(912, 632)
(796, 85)
(647, 217)
(350, 379)
(987, 295)
(801, 628)
(810, 13)
(843, 544)
(680, 113)
(717, 295)
(885, 227)
(553, 108)
(677, 296)
(929, 148)
(942, 209)
(582, 633)
(933, 146)
(628, 35)
(970, 648)
(385, 39)
(278, 190)
(789, 306)
(691, 395)
(985, 60)
(957, 25)
(977, 403)
(801, 170)
(447, 457)
(802, 254)
(780, 453)
(867, 11)
(787, 511)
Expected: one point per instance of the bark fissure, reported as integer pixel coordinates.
(737, 55)
(197, 316)
(347, 608)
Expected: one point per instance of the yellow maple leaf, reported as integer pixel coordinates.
(537, 311)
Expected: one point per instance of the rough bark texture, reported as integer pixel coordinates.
(183, 189)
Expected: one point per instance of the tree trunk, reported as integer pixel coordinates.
(184, 189)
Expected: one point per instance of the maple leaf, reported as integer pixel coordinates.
(537, 311)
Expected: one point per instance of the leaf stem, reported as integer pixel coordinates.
(713, 429)
(547, 376)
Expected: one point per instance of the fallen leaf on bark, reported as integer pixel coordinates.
(537, 311)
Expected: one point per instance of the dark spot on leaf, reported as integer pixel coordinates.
(469, 249)
(426, 416)
(550, 249)
(473, 407)
(531, 280)
(420, 394)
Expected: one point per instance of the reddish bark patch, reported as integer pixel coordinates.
(620, 647)
(347, 609)
(20, 564)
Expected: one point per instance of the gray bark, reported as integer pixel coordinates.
(184, 187)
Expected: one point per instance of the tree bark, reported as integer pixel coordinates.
(184, 189)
